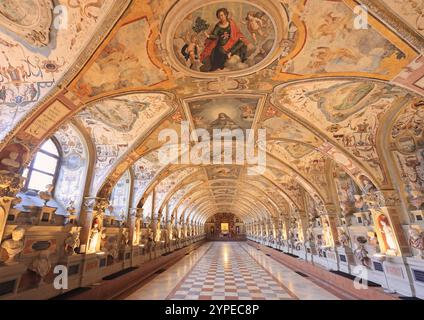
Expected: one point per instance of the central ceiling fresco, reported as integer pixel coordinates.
(323, 88)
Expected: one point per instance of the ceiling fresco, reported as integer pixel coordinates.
(115, 124)
(33, 61)
(199, 49)
(338, 120)
(223, 113)
(124, 62)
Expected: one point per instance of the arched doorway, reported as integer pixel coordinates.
(225, 226)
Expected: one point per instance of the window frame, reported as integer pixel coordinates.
(31, 168)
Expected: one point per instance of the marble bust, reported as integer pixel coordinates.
(416, 240)
(41, 265)
(14, 246)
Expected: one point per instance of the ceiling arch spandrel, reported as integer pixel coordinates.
(410, 12)
(330, 43)
(187, 183)
(282, 201)
(348, 112)
(149, 142)
(124, 62)
(74, 165)
(178, 195)
(406, 137)
(305, 160)
(116, 124)
(165, 186)
(145, 169)
(131, 57)
(33, 62)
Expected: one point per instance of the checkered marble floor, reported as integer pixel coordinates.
(228, 272)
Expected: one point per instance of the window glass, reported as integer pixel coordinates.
(39, 181)
(45, 163)
(50, 147)
(41, 172)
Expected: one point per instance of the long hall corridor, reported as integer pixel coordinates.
(229, 271)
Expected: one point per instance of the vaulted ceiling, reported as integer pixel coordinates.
(326, 86)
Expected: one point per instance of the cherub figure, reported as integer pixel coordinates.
(190, 51)
(255, 25)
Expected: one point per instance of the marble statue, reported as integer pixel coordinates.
(416, 241)
(344, 238)
(72, 242)
(70, 209)
(388, 234)
(310, 236)
(111, 247)
(94, 235)
(125, 238)
(41, 265)
(14, 246)
(362, 254)
(360, 203)
(328, 239)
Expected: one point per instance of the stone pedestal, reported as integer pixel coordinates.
(300, 251)
(46, 215)
(362, 218)
(416, 267)
(346, 259)
(290, 248)
(74, 265)
(93, 263)
(126, 257)
(321, 258)
(376, 271)
(418, 216)
(10, 277)
(136, 256)
(333, 259)
(310, 252)
(398, 276)
(285, 246)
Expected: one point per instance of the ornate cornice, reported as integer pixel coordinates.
(385, 198)
(387, 17)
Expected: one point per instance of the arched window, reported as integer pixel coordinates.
(44, 167)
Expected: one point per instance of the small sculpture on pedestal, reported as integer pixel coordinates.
(361, 253)
(47, 194)
(113, 248)
(360, 203)
(72, 242)
(416, 241)
(310, 237)
(326, 232)
(14, 246)
(70, 217)
(387, 234)
(150, 240)
(95, 234)
(343, 238)
(41, 265)
(124, 238)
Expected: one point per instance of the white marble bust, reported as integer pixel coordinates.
(14, 246)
